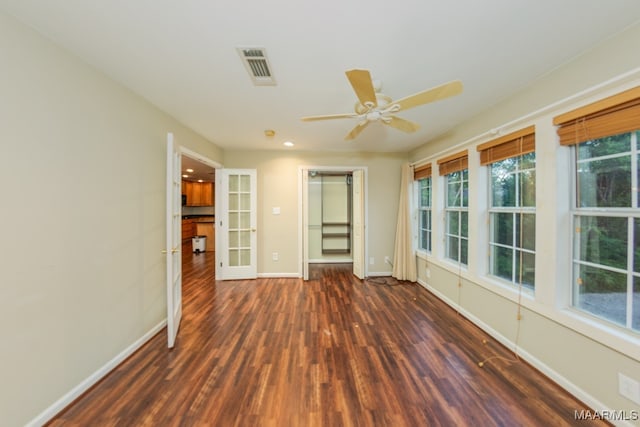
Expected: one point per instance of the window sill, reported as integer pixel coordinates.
(616, 337)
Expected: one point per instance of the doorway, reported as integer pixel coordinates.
(178, 231)
(198, 205)
(333, 217)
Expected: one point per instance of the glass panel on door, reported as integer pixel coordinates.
(239, 220)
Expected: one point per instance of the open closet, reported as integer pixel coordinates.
(330, 216)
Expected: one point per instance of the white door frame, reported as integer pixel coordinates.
(199, 157)
(196, 156)
(303, 214)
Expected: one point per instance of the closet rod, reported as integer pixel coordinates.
(337, 173)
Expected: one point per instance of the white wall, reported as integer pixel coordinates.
(583, 355)
(82, 177)
(278, 187)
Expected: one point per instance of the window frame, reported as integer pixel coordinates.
(427, 210)
(518, 210)
(459, 210)
(630, 213)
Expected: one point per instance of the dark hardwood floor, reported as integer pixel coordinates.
(334, 351)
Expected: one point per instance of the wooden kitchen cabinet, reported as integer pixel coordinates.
(198, 193)
(194, 195)
(206, 229)
(188, 229)
(206, 194)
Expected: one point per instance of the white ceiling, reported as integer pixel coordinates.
(181, 56)
(201, 171)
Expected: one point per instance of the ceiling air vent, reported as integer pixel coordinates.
(257, 65)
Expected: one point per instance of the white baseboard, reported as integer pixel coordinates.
(563, 382)
(279, 275)
(378, 273)
(85, 385)
(331, 261)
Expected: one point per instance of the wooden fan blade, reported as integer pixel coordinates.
(363, 86)
(356, 130)
(430, 95)
(329, 117)
(402, 124)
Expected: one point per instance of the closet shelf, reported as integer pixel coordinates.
(336, 215)
(330, 235)
(336, 251)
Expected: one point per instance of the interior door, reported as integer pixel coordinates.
(237, 225)
(358, 223)
(173, 241)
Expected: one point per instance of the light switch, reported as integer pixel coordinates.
(276, 211)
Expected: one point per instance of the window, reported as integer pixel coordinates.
(512, 220)
(422, 176)
(456, 207)
(606, 212)
(512, 200)
(424, 186)
(457, 216)
(607, 229)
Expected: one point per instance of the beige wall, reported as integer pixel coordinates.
(583, 355)
(278, 173)
(82, 171)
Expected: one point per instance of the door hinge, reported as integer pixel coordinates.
(220, 264)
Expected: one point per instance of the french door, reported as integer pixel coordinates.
(237, 236)
(173, 241)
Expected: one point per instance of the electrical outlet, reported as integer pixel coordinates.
(372, 261)
(274, 256)
(428, 273)
(629, 388)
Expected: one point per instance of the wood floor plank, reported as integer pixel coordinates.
(333, 351)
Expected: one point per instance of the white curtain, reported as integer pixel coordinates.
(404, 260)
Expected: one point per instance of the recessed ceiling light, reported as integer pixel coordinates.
(200, 180)
(185, 176)
(288, 144)
(190, 170)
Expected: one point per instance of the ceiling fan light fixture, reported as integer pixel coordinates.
(374, 116)
(373, 106)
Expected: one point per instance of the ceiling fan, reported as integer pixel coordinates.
(373, 106)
